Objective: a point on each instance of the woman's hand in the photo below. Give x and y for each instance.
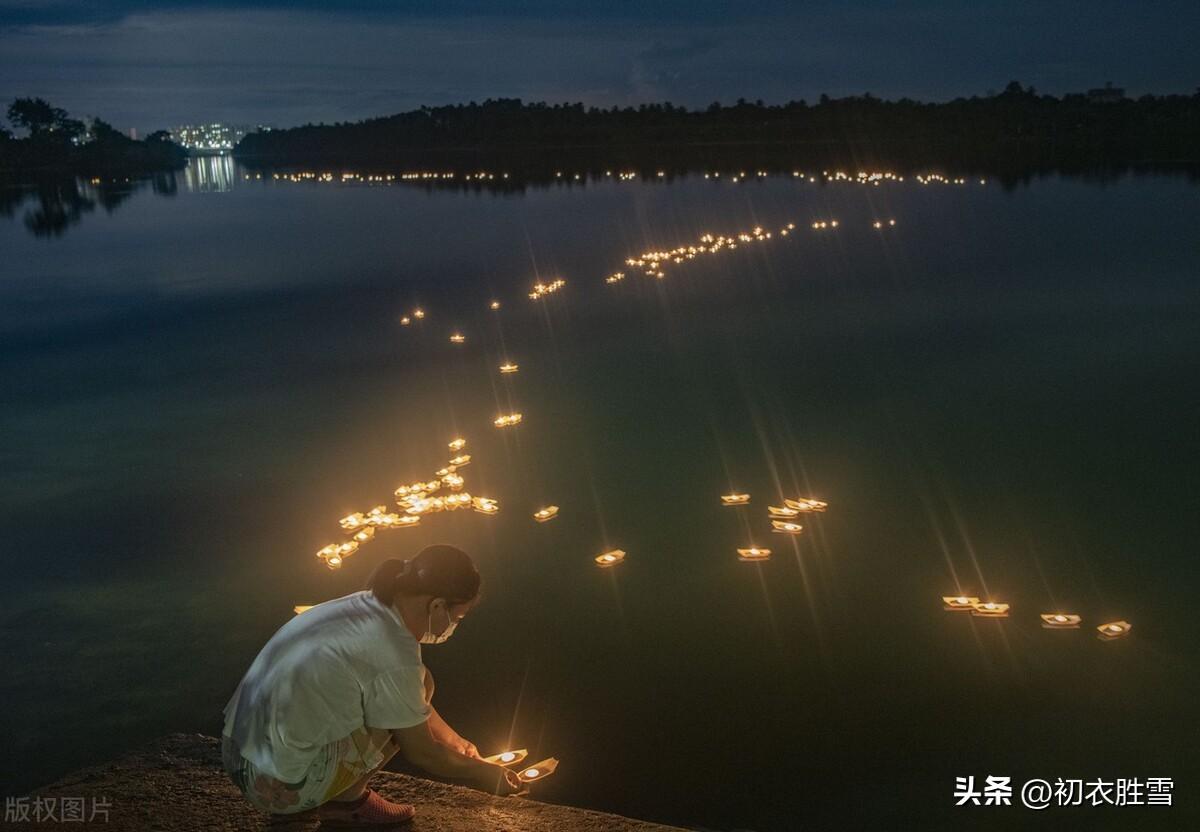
(500, 780)
(464, 747)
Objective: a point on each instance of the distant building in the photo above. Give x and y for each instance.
(1106, 94)
(211, 139)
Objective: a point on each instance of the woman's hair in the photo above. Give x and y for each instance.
(438, 570)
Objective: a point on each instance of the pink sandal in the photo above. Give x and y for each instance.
(370, 810)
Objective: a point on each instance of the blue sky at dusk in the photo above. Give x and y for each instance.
(157, 63)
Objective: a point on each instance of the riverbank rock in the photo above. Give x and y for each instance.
(176, 784)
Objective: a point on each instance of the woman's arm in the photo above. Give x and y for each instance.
(443, 733)
(421, 748)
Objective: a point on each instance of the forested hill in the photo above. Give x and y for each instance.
(1017, 121)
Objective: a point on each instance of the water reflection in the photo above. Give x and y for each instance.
(210, 174)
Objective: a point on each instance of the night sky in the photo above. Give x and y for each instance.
(158, 63)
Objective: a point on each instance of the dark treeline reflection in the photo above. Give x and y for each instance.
(52, 205)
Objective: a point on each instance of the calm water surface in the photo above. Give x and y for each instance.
(998, 395)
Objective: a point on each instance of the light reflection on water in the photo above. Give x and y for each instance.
(997, 397)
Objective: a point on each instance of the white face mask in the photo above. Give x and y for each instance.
(429, 637)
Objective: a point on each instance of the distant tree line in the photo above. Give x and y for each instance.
(56, 143)
(1017, 123)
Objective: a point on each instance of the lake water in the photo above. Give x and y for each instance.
(997, 395)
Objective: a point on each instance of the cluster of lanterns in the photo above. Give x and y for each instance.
(417, 314)
(780, 517)
(540, 290)
(415, 500)
(1108, 631)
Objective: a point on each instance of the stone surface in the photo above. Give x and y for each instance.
(176, 784)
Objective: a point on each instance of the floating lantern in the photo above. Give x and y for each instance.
(457, 444)
(735, 499)
(959, 603)
(453, 481)
(457, 501)
(508, 758)
(507, 421)
(782, 511)
(538, 771)
(786, 527)
(363, 535)
(299, 608)
(418, 314)
(753, 553)
(543, 515)
(484, 505)
(457, 338)
(1060, 621)
(352, 522)
(508, 367)
(405, 321)
(610, 558)
(495, 304)
(990, 609)
(461, 460)
(1114, 629)
(806, 504)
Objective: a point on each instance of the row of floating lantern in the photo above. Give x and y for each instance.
(652, 262)
(1050, 620)
(873, 178)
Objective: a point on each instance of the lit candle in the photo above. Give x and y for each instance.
(457, 338)
(461, 460)
(508, 758)
(753, 553)
(735, 499)
(785, 527)
(495, 304)
(959, 603)
(806, 504)
(508, 367)
(457, 444)
(610, 558)
(1114, 629)
(548, 513)
(1060, 621)
(538, 771)
(990, 609)
(485, 505)
(353, 521)
(782, 511)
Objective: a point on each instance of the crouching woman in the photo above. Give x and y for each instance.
(339, 689)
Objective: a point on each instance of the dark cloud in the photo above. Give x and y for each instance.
(151, 64)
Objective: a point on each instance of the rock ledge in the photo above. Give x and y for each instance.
(176, 784)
